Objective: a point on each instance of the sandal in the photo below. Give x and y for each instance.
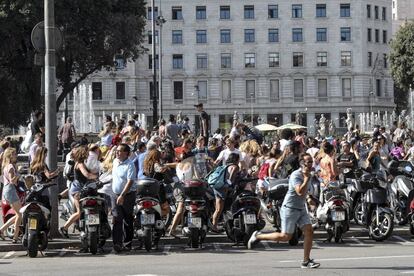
(2, 237)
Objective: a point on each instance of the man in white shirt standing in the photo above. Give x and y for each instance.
(224, 154)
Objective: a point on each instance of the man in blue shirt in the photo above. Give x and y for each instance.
(293, 212)
(124, 186)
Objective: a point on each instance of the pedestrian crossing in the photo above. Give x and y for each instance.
(218, 247)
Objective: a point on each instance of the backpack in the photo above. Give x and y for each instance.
(217, 178)
(69, 170)
(264, 171)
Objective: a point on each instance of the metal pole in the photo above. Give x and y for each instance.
(411, 106)
(50, 107)
(251, 102)
(154, 68)
(160, 65)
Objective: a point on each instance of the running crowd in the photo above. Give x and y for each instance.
(129, 153)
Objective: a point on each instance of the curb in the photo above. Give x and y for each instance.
(60, 244)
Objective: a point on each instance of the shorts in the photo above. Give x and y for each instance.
(292, 217)
(221, 193)
(178, 193)
(10, 193)
(75, 187)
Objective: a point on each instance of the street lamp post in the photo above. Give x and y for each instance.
(135, 106)
(160, 21)
(251, 106)
(154, 68)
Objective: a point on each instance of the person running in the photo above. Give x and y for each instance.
(293, 212)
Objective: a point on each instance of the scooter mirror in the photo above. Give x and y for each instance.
(408, 169)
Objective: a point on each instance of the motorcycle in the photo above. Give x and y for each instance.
(243, 217)
(196, 212)
(272, 203)
(148, 223)
(36, 219)
(93, 223)
(334, 211)
(375, 213)
(401, 192)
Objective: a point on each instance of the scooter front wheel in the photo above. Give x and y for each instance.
(382, 229)
(32, 244)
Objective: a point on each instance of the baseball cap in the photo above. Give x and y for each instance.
(199, 105)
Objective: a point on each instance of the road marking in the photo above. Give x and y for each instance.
(266, 245)
(408, 272)
(217, 246)
(62, 252)
(357, 241)
(167, 249)
(403, 241)
(9, 254)
(354, 258)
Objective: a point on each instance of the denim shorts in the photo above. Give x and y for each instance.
(292, 217)
(10, 193)
(75, 187)
(221, 193)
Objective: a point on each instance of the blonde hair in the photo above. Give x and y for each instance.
(38, 164)
(107, 164)
(7, 155)
(250, 147)
(107, 129)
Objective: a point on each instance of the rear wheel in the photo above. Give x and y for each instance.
(338, 234)
(147, 239)
(32, 244)
(382, 229)
(194, 238)
(10, 231)
(412, 228)
(93, 242)
(358, 212)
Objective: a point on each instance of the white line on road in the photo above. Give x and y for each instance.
(403, 241)
(357, 241)
(408, 272)
(355, 258)
(9, 254)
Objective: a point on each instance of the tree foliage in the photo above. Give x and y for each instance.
(402, 61)
(94, 33)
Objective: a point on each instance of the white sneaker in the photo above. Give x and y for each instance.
(253, 240)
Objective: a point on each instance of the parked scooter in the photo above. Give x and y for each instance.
(148, 223)
(196, 212)
(243, 217)
(401, 192)
(36, 219)
(93, 223)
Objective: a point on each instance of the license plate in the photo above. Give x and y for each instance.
(194, 222)
(93, 219)
(250, 218)
(338, 215)
(147, 219)
(32, 224)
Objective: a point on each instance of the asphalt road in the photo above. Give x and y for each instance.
(357, 256)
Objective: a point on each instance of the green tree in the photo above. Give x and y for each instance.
(402, 62)
(94, 33)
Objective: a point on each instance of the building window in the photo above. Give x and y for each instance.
(377, 35)
(225, 61)
(150, 37)
(177, 37)
(249, 12)
(274, 60)
(320, 10)
(250, 91)
(378, 86)
(273, 35)
(384, 37)
(298, 89)
(120, 90)
(96, 91)
(322, 88)
(297, 11)
(249, 60)
(202, 61)
(177, 61)
(178, 92)
(226, 91)
(274, 90)
(201, 36)
(273, 11)
(345, 34)
(151, 87)
(322, 59)
(249, 35)
(368, 11)
(385, 88)
(225, 36)
(157, 64)
(345, 58)
(385, 57)
(369, 34)
(297, 59)
(384, 13)
(369, 59)
(177, 13)
(225, 12)
(202, 91)
(376, 11)
(346, 88)
(321, 34)
(149, 13)
(201, 12)
(345, 10)
(297, 35)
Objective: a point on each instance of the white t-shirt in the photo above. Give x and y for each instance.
(312, 152)
(224, 155)
(283, 143)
